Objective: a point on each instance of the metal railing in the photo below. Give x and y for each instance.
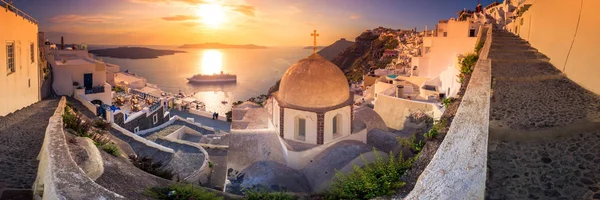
(95, 89)
(10, 7)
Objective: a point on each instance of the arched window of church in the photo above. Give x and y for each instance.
(300, 129)
(336, 123)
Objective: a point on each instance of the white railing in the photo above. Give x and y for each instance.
(10, 7)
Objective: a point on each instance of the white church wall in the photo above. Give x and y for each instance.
(289, 127)
(301, 159)
(328, 123)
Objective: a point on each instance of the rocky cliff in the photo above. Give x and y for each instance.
(333, 50)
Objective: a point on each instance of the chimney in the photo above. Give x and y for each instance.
(62, 43)
(400, 91)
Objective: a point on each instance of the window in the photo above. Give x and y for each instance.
(445, 34)
(336, 122)
(31, 52)
(155, 119)
(29, 82)
(10, 57)
(136, 129)
(300, 129)
(472, 33)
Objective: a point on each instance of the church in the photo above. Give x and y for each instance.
(305, 132)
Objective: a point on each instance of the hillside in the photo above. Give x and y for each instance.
(133, 52)
(331, 51)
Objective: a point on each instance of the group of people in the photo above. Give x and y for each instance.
(215, 115)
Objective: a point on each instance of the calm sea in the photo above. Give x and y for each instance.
(257, 70)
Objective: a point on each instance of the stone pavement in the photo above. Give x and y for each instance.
(220, 124)
(21, 137)
(544, 129)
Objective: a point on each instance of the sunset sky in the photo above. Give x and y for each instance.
(261, 22)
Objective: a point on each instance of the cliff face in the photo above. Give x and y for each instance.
(359, 49)
(331, 51)
(356, 59)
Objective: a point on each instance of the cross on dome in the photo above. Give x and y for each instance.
(315, 35)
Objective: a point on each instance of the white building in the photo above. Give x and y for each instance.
(19, 71)
(440, 55)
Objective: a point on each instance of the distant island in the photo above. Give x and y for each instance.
(133, 52)
(221, 46)
(310, 47)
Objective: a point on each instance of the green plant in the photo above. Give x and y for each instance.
(468, 63)
(72, 121)
(382, 177)
(211, 164)
(181, 192)
(411, 142)
(146, 164)
(447, 101)
(119, 89)
(433, 133)
(101, 124)
(112, 149)
(262, 193)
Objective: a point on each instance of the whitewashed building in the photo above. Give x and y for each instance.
(19, 70)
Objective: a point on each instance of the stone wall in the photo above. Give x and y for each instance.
(458, 169)
(58, 176)
(143, 122)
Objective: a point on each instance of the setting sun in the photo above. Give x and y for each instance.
(211, 14)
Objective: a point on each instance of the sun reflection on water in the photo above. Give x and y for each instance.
(212, 62)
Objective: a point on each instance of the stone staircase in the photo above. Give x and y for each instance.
(544, 140)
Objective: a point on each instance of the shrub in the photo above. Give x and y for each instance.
(148, 165)
(433, 133)
(211, 164)
(447, 101)
(74, 122)
(262, 193)
(411, 142)
(119, 89)
(467, 63)
(112, 149)
(181, 192)
(373, 180)
(101, 124)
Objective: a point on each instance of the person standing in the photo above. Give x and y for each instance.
(217, 116)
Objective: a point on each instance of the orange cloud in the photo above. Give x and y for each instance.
(83, 19)
(180, 18)
(192, 2)
(355, 16)
(244, 9)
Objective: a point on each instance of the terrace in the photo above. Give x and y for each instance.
(135, 101)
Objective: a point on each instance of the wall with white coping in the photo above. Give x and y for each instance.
(299, 159)
(567, 32)
(394, 110)
(458, 168)
(141, 139)
(58, 175)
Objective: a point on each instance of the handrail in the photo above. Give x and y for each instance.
(8, 6)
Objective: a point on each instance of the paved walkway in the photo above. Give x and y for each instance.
(206, 120)
(21, 137)
(544, 131)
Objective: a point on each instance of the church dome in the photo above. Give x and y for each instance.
(314, 82)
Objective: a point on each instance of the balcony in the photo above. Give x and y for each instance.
(9, 7)
(95, 89)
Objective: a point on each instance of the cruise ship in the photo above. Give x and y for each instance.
(201, 78)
